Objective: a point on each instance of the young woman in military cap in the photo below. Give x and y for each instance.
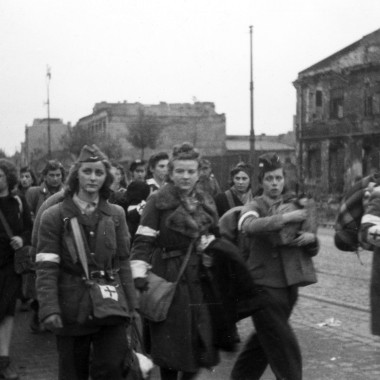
(60, 271)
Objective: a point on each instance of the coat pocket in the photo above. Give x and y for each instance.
(71, 294)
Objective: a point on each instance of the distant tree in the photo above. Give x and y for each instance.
(145, 132)
(111, 147)
(2, 153)
(77, 137)
(73, 141)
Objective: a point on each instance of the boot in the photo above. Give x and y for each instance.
(7, 371)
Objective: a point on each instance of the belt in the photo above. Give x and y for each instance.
(108, 274)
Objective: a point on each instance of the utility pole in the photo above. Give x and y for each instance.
(48, 77)
(252, 153)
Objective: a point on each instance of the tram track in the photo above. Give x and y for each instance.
(341, 275)
(330, 301)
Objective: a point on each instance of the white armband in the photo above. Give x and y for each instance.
(48, 257)
(255, 214)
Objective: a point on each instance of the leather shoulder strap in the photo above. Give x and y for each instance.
(78, 238)
(230, 198)
(185, 260)
(6, 225)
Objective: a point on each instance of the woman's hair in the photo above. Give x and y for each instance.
(10, 172)
(135, 164)
(72, 182)
(123, 181)
(27, 169)
(240, 167)
(52, 165)
(185, 151)
(153, 161)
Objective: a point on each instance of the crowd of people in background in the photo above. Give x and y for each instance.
(147, 217)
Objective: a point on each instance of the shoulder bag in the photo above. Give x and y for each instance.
(155, 302)
(107, 304)
(23, 257)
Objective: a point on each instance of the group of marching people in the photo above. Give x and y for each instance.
(248, 254)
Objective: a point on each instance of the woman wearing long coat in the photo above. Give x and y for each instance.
(173, 217)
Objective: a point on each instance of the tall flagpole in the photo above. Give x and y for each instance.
(252, 155)
(48, 77)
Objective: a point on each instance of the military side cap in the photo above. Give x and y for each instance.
(269, 162)
(91, 154)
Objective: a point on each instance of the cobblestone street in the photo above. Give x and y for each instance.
(344, 351)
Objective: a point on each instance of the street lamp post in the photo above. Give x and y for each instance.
(48, 77)
(252, 153)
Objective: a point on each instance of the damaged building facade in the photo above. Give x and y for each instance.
(337, 121)
(197, 123)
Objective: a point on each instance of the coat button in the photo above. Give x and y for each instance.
(92, 233)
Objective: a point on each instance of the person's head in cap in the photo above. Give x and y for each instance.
(138, 170)
(271, 175)
(240, 179)
(91, 175)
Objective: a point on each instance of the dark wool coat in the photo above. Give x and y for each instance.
(36, 195)
(274, 265)
(17, 214)
(60, 287)
(222, 203)
(184, 341)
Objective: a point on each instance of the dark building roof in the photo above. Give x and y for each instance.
(363, 52)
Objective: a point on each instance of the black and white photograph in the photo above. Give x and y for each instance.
(189, 190)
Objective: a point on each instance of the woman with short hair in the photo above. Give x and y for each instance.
(239, 192)
(27, 179)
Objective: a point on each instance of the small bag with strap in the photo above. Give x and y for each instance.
(108, 304)
(23, 257)
(155, 302)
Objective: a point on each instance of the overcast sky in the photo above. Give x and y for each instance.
(166, 50)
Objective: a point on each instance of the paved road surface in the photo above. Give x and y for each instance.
(343, 352)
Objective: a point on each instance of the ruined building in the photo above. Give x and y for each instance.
(337, 122)
(34, 150)
(197, 123)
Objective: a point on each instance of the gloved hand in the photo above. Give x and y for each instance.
(141, 284)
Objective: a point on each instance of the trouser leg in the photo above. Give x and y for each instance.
(73, 357)
(251, 362)
(274, 343)
(168, 374)
(110, 348)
